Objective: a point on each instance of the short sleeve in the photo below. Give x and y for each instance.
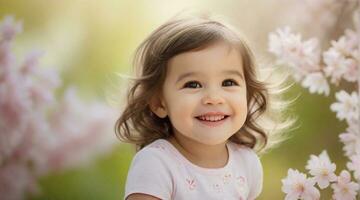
(149, 174)
(255, 174)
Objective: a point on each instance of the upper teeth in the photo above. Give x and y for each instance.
(212, 118)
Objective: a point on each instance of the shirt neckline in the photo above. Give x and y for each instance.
(196, 167)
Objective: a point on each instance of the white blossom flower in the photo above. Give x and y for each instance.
(277, 40)
(352, 67)
(351, 139)
(346, 43)
(347, 106)
(341, 60)
(322, 169)
(344, 188)
(316, 83)
(335, 65)
(297, 186)
(354, 165)
(301, 55)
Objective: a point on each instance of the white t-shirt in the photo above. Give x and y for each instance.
(160, 170)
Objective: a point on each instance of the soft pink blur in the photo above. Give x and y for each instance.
(38, 133)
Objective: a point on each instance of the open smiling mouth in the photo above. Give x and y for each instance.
(212, 120)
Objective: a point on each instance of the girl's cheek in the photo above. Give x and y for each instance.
(188, 96)
(236, 96)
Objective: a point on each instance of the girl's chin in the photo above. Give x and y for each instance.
(212, 141)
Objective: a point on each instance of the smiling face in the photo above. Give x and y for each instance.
(204, 94)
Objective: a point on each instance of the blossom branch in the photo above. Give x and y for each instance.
(38, 133)
(312, 68)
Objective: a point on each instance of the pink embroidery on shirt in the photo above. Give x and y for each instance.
(191, 184)
(240, 180)
(226, 178)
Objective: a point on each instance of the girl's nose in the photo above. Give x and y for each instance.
(212, 97)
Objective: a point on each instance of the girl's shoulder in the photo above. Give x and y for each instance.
(153, 152)
(150, 172)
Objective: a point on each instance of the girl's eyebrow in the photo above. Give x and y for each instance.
(230, 72)
(234, 72)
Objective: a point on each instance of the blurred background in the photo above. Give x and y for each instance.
(90, 41)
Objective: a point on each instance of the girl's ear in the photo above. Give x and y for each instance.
(158, 107)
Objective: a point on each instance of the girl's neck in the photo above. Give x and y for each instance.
(202, 155)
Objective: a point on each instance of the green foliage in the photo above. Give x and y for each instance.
(103, 179)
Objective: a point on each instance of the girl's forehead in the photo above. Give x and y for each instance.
(217, 57)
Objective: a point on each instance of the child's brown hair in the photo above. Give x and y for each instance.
(138, 125)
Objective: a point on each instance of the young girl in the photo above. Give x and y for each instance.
(194, 114)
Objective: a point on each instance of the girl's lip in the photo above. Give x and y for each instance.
(213, 123)
(213, 114)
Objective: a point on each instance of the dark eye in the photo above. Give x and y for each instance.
(192, 84)
(229, 82)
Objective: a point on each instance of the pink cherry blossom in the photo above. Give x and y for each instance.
(322, 169)
(344, 188)
(297, 186)
(347, 106)
(16, 180)
(14, 104)
(351, 139)
(340, 62)
(354, 165)
(38, 133)
(316, 83)
(301, 56)
(335, 65)
(6, 58)
(278, 40)
(352, 69)
(346, 43)
(93, 128)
